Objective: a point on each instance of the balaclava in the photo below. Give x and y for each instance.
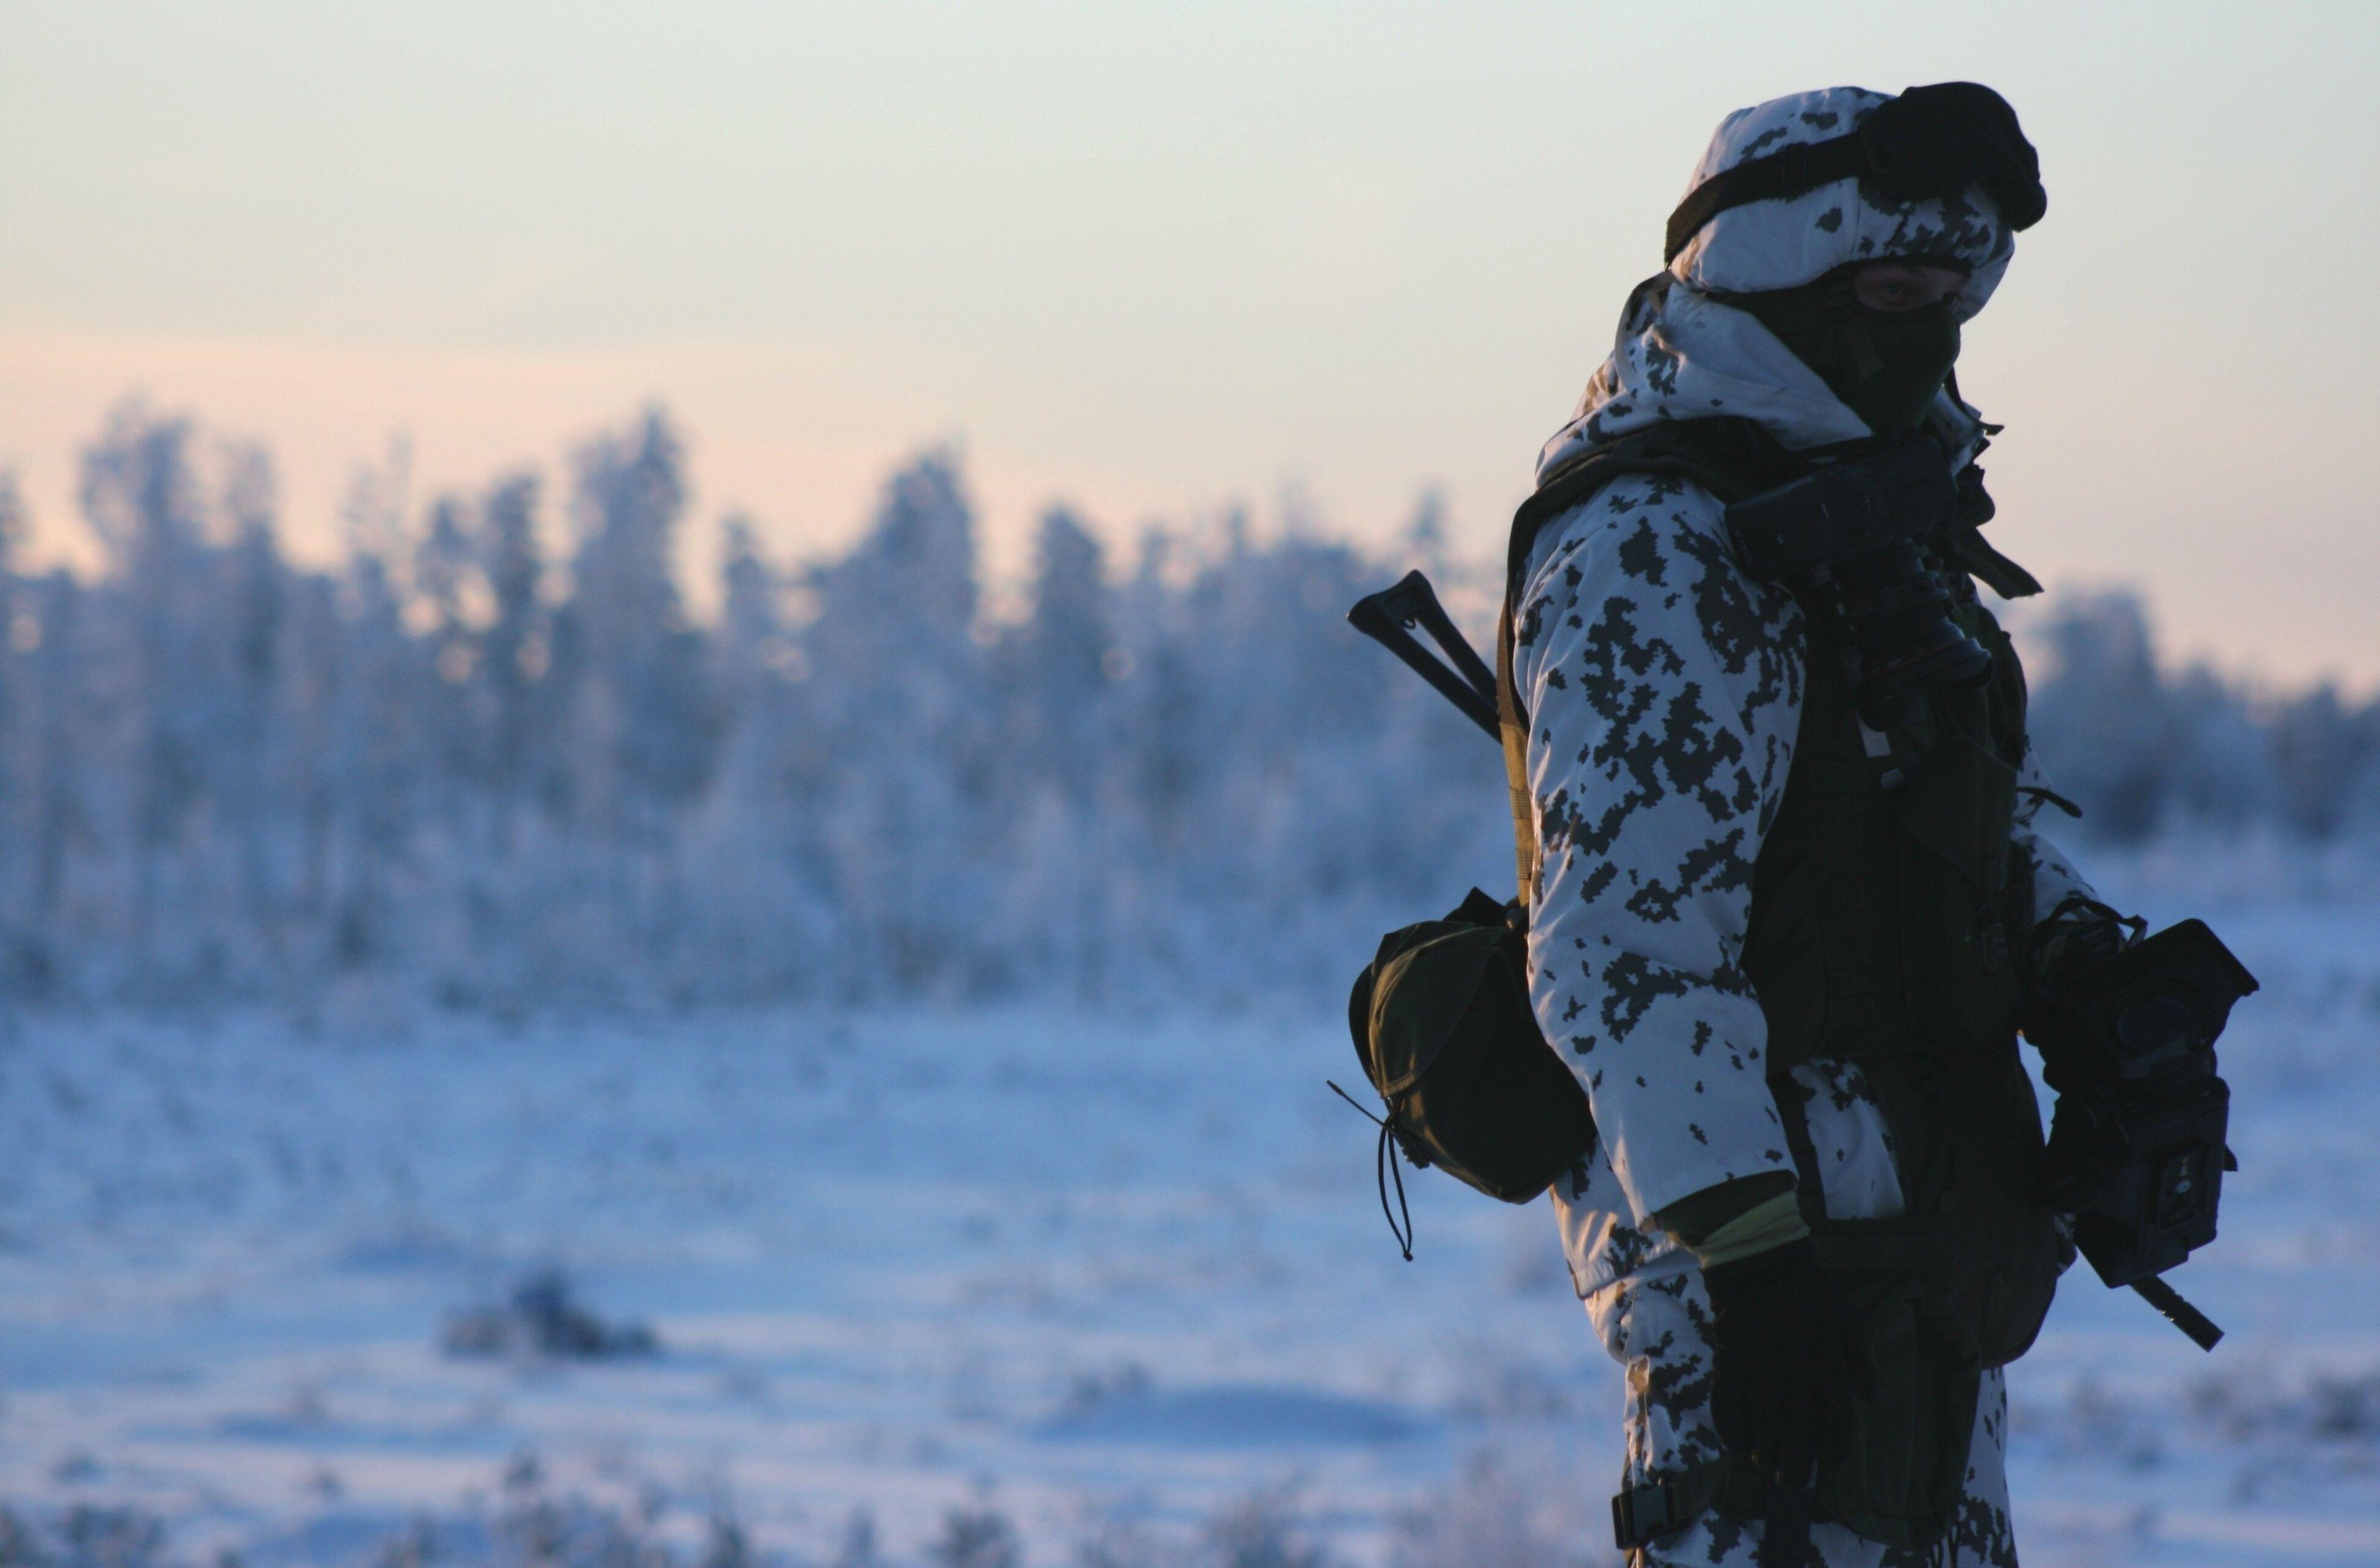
(1885, 365)
(1953, 147)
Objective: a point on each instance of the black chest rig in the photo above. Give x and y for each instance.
(1886, 906)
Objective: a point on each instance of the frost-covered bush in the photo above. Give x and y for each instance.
(1497, 1516)
(2147, 750)
(83, 1536)
(487, 763)
(543, 1318)
(975, 1538)
(1263, 1530)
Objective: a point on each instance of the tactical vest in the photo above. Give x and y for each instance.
(1886, 907)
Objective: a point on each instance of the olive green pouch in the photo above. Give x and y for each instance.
(1442, 1021)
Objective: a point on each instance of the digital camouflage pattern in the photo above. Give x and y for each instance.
(1766, 245)
(1664, 689)
(1682, 356)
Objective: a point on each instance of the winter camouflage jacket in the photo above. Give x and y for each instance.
(1665, 685)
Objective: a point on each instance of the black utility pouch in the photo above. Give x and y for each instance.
(1442, 1021)
(1914, 1384)
(1931, 1299)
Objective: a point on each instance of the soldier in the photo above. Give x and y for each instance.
(1779, 855)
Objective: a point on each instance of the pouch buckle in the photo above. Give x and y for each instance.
(1640, 1514)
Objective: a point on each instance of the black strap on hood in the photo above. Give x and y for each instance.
(1929, 142)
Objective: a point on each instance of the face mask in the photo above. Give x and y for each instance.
(1885, 366)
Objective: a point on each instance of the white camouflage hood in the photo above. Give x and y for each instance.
(1682, 355)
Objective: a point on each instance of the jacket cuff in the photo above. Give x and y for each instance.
(1763, 1226)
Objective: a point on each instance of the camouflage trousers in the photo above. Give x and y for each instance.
(1644, 1297)
(1655, 1326)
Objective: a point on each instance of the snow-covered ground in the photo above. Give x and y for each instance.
(1122, 1283)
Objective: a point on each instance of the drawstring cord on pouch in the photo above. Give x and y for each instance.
(1384, 1167)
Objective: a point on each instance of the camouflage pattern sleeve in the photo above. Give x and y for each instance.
(1663, 687)
(2053, 874)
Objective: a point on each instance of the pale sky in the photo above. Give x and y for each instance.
(1152, 257)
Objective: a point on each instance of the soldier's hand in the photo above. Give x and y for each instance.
(2087, 1147)
(1780, 1362)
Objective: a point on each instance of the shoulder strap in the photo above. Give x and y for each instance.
(1513, 727)
(1730, 457)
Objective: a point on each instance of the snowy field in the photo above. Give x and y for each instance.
(1112, 1291)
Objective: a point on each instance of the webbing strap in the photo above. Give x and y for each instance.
(1642, 1514)
(1513, 725)
(1793, 1113)
(1930, 140)
(1785, 1528)
(1787, 172)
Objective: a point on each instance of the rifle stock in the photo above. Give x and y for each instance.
(1462, 677)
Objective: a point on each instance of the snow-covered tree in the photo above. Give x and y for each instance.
(2103, 717)
(453, 766)
(642, 719)
(895, 677)
(515, 651)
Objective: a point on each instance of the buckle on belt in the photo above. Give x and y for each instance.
(1671, 1503)
(1639, 1513)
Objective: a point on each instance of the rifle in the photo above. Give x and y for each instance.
(1389, 618)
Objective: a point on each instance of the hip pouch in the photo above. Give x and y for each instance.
(1959, 1283)
(1915, 1378)
(1442, 1024)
